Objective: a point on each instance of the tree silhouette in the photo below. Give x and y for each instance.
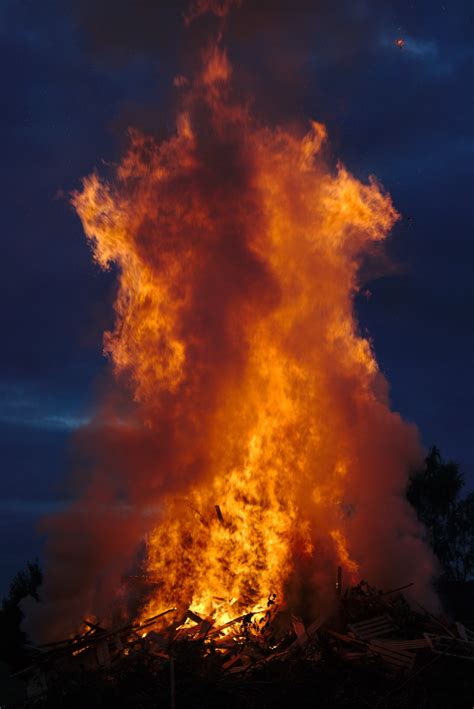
(12, 638)
(435, 492)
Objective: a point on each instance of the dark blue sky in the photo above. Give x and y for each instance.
(76, 74)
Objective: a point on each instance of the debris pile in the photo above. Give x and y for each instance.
(369, 638)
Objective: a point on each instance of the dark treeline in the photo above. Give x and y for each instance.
(448, 517)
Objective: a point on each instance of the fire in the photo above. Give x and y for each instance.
(237, 249)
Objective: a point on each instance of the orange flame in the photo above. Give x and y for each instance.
(237, 251)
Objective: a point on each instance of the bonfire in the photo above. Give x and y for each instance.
(248, 471)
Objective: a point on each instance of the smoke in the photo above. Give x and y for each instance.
(241, 378)
(278, 47)
(219, 8)
(122, 29)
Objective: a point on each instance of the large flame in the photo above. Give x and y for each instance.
(237, 251)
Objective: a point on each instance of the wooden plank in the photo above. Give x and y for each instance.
(193, 616)
(229, 623)
(89, 640)
(465, 633)
(225, 642)
(351, 656)
(233, 660)
(375, 627)
(316, 624)
(123, 629)
(447, 645)
(379, 643)
(199, 629)
(351, 640)
(390, 651)
(205, 627)
(436, 620)
(417, 644)
(236, 670)
(399, 658)
(103, 654)
(300, 630)
(93, 626)
(376, 632)
(371, 621)
(396, 590)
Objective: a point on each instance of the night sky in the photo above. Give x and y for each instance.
(77, 74)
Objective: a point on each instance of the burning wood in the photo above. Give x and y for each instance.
(396, 641)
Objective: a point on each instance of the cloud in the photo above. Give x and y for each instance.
(425, 49)
(46, 421)
(29, 409)
(33, 507)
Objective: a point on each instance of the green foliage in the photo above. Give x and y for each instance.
(435, 492)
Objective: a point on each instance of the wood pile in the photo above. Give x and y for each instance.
(369, 632)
